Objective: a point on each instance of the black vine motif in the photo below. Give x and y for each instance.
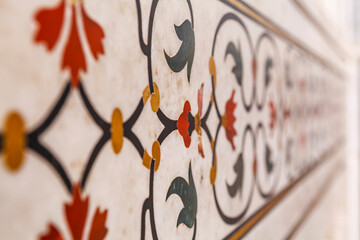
(146, 48)
(185, 33)
(38, 147)
(105, 127)
(184, 56)
(179, 186)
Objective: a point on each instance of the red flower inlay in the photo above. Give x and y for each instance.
(52, 234)
(254, 68)
(50, 25)
(302, 139)
(272, 115)
(228, 120)
(50, 21)
(74, 57)
(183, 124)
(98, 229)
(76, 213)
(286, 113)
(198, 119)
(302, 84)
(94, 34)
(200, 98)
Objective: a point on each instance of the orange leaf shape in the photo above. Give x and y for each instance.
(183, 124)
(50, 23)
(94, 34)
(76, 213)
(198, 128)
(73, 57)
(228, 120)
(200, 99)
(52, 234)
(98, 229)
(254, 68)
(200, 148)
(272, 115)
(286, 113)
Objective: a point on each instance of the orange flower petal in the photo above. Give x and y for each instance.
(272, 115)
(200, 148)
(228, 120)
(94, 34)
(183, 124)
(76, 213)
(50, 23)
(73, 57)
(52, 234)
(98, 229)
(200, 98)
(254, 68)
(286, 113)
(198, 128)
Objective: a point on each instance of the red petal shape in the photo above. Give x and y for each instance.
(200, 98)
(228, 119)
(50, 23)
(52, 234)
(76, 213)
(94, 34)
(73, 57)
(302, 138)
(198, 128)
(183, 124)
(272, 115)
(98, 229)
(254, 68)
(286, 113)
(200, 148)
(302, 84)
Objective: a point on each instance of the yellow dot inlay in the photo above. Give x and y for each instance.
(198, 124)
(213, 171)
(117, 130)
(212, 69)
(156, 154)
(76, 1)
(146, 94)
(14, 141)
(155, 99)
(146, 160)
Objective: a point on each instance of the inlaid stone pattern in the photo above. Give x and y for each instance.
(156, 119)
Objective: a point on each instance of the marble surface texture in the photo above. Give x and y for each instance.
(175, 119)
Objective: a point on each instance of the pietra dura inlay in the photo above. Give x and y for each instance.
(157, 119)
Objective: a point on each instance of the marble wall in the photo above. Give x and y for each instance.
(175, 119)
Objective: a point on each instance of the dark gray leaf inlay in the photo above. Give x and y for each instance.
(236, 54)
(187, 194)
(186, 51)
(238, 183)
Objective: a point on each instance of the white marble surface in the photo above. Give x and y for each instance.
(32, 81)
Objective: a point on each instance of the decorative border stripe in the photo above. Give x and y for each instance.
(246, 226)
(323, 190)
(320, 27)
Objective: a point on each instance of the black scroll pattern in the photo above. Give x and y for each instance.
(184, 57)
